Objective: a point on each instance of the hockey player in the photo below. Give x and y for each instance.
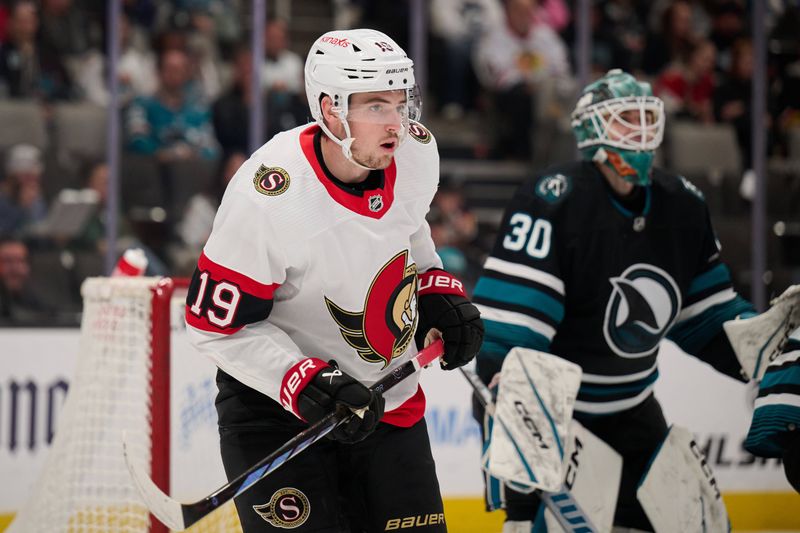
(597, 261)
(320, 251)
(775, 429)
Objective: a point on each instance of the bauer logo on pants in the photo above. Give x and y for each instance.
(288, 508)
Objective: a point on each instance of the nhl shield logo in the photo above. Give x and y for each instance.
(288, 508)
(385, 327)
(375, 203)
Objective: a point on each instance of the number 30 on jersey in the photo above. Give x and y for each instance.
(532, 235)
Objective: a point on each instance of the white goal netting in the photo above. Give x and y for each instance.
(84, 485)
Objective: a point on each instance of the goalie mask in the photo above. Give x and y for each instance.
(341, 63)
(619, 123)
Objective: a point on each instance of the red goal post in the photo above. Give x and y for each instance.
(121, 383)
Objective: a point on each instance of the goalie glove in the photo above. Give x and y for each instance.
(443, 305)
(312, 388)
(758, 340)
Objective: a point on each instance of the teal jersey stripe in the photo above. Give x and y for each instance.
(769, 423)
(784, 376)
(715, 276)
(500, 337)
(694, 334)
(611, 390)
(512, 293)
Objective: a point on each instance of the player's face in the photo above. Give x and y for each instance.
(630, 125)
(376, 122)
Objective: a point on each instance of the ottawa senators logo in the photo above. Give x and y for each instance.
(288, 508)
(418, 132)
(271, 181)
(386, 325)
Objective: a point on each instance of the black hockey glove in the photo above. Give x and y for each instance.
(312, 389)
(443, 305)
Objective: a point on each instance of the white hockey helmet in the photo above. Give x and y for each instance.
(344, 62)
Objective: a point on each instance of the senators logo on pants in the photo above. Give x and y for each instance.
(386, 325)
(288, 508)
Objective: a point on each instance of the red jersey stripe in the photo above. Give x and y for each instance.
(248, 285)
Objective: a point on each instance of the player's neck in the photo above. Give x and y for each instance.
(618, 184)
(343, 169)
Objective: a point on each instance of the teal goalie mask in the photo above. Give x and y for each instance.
(619, 123)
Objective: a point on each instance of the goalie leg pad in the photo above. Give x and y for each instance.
(678, 492)
(532, 414)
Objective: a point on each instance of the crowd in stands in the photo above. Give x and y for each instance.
(506, 67)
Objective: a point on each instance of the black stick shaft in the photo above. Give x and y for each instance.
(193, 512)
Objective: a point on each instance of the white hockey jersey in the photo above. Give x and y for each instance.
(298, 267)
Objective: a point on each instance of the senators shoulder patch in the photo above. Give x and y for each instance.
(419, 132)
(553, 188)
(271, 181)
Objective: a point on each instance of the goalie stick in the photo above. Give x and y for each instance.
(562, 504)
(179, 516)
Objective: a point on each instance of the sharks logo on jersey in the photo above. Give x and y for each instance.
(386, 325)
(644, 304)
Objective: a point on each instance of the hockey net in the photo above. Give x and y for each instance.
(121, 383)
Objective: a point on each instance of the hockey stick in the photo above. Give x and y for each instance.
(562, 504)
(179, 516)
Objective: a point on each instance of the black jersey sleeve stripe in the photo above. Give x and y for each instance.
(221, 300)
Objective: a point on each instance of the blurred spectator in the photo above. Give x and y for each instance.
(93, 236)
(66, 28)
(230, 112)
(27, 69)
(454, 229)
(727, 26)
(171, 124)
(553, 13)
(282, 76)
(218, 19)
(458, 24)
(687, 87)
(141, 13)
(460, 224)
(619, 36)
(513, 61)
(675, 39)
(21, 199)
(195, 226)
(283, 69)
(700, 17)
(19, 304)
(136, 68)
(4, 14)
(784, 47)
(732, 99)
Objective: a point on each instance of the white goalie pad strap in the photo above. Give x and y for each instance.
(758, 340)
(532, 414)
(678, 492)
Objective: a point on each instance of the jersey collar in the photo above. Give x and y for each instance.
(373, 203)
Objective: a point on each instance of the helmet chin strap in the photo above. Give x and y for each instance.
(345, 143)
